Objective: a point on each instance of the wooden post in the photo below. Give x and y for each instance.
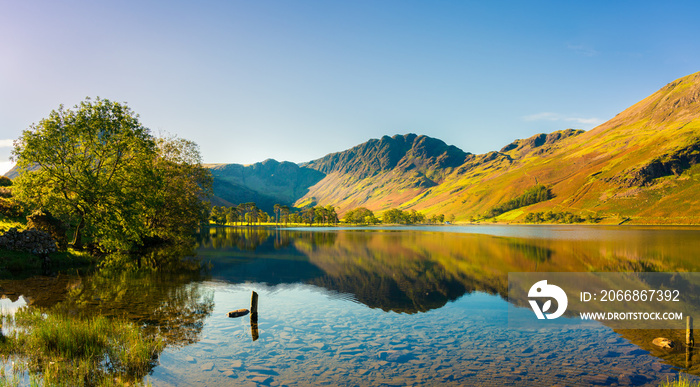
(689, 341)
(254, 303)
(254, 326)
(254, 315)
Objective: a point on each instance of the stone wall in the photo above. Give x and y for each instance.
(32, 241)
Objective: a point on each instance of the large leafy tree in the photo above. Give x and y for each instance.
(101, 170)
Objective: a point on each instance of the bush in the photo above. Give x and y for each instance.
(5, 181)
(10, 208)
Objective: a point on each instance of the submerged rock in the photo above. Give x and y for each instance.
(663, 342)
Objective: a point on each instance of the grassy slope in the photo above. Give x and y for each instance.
(588, 173)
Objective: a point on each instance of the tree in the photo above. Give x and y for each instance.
(285, 210)
(103, 172)
(231, 215)
(332, 214)
(216, 215)
(176, 200)
(276, 213)
(360, 215)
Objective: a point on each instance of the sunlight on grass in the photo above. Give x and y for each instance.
(61, 350)
(680, 382)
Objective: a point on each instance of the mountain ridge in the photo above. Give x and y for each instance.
(641, 165)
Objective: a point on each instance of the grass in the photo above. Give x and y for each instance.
(62, 350)
(15, 264)
(22, 264)
(680, 382)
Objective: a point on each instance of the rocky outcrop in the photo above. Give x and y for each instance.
(405, 152)
(540, 143)
(31, 241)
(673, 163)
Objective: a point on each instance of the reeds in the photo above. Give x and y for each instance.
(65, 350)
(680, 382)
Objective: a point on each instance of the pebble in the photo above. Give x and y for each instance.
(441, 347)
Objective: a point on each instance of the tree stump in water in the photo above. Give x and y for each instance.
(238, 313)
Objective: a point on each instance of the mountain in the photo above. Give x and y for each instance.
(642, 164)
(383, 173)
(267, 183)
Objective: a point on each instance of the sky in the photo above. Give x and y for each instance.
(295, 80)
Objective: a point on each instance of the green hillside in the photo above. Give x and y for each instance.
(642, 165)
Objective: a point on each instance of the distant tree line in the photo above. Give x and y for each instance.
(396, 216)
(250, 214)
(360, 215)
(244, 213)
(559, 217)
(536, 194)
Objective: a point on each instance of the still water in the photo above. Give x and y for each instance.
(382, 306)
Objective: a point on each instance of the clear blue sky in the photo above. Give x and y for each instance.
(295, 80)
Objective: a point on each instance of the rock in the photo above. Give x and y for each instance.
(262, 370)
(663, 342)
(43, 221)
(395, 356)
(262, 379)
(207, 366)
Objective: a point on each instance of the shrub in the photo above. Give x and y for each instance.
(10, 208)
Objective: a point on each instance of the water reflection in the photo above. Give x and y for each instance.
(171, 304)
(406, 271)
(415, 272)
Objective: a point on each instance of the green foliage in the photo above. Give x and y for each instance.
(320, 215)
(396, 216)
(536, 194)
(175, 205)
(244, 212)
(103, 173)
(18, 263)
(10, 208)
(553, 217)
(360, 215)
(5, 181)
(67, 350)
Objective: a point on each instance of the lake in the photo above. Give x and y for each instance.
(381, 306)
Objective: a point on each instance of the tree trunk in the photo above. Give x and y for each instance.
(78, 237)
